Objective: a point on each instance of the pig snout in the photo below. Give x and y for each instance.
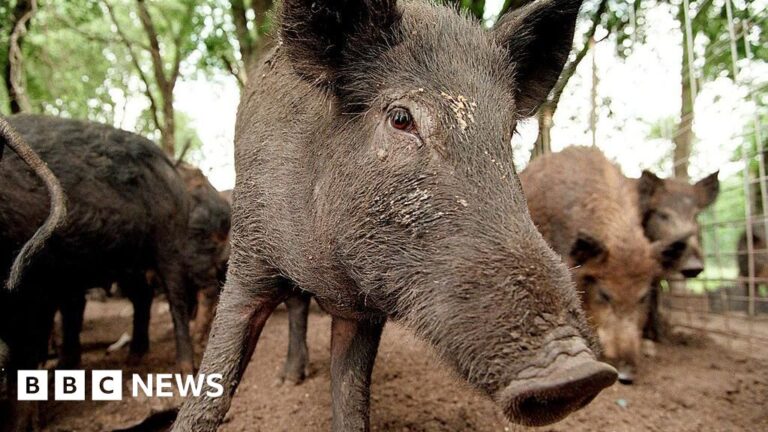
(692, 266)
(540, 396)
(626, 373)
(621, 347)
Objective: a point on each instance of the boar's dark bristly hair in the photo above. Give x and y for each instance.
(318, 33)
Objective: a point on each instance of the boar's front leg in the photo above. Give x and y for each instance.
(654, 328)
(207, 298)
(353, 351)
(179, 305)
(297, 359)
(72, 309)
(141, 293)
(242, 312)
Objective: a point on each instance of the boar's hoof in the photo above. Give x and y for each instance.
(134, 359)
(290, 379)
(68, 361)
(545, 399)
(186, 367)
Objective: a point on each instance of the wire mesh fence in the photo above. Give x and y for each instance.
(729, 300)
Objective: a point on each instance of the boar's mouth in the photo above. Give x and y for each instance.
(567, 384)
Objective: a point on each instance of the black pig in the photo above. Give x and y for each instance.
(204, 258)
(128, 213)
(58, 207)
(207, 251)
(55, 219)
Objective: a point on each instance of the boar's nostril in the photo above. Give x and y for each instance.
(626, 375)
(691, 272)
(551, 398)
(692, 266)
(626, 379)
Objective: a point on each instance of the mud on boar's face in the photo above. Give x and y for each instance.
(670, 207)
(615, 283)
(416, 190)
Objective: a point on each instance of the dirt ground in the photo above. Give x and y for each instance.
(695, 385)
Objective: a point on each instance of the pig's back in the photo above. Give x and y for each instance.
(121, 190)
(579, 189)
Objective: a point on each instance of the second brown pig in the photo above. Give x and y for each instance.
(587, 211)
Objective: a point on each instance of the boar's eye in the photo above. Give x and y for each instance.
(644, 298)
(664, 216)
(603, 296)
(401, 119)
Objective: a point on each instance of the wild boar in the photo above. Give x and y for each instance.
(669, 209)
(204, 259)
(56, 217)
(207, 249)
(374, 172)
(128, 213)
(58, 208)
(587, 211)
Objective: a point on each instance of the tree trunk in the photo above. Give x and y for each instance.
(593, 95)
(13, 73)
(253, 43)
(244, 38)
(168, 128)
(548, 108)
(543, 143)
(683, 139)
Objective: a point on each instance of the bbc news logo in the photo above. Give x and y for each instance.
(107, 385)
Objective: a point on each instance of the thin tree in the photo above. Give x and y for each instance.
(242, 41)
(683, 139)
(13, 73)
(160, 84)
(547, 109)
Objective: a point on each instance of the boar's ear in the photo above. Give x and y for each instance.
(647, 186)
(537, 38)
(587, 248)
(707, 190)
(668, 253)
(649, 183)
(317, 33)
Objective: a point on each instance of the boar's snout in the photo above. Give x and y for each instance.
(566, 385)
(692, 266)
(626, 374)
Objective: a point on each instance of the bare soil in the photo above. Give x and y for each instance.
(691, 385)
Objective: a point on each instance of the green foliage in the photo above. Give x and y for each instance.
(711, 26)
(664, 128)
(186, 135)
(62, 77)
(476, 7)
(626, 22)
(221, 47)
(76, 65)
(65, 76)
